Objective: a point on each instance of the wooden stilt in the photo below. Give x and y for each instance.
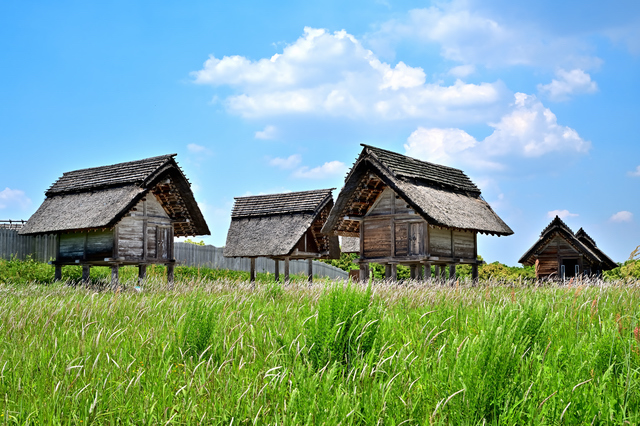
(412, 272)
(452, 273)
(310, 270)
(115, 275)
(252, 273)
(286, 270)
(364, 271)
(142, 274)
(443, 273)
(474, 273)
(57, 274)
(437, 272)
(427, 271)
(387, 271)
(170, 275)
(276, 270)
(86, 270)
(394, 272)
(420, 274)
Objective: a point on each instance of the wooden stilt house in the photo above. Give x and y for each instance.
(282, 227)
(123, 214)
(411, 212)
(560, 254)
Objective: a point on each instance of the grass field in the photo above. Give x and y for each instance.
(216, 351)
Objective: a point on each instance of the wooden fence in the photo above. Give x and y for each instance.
(212, 257)
(41, 247)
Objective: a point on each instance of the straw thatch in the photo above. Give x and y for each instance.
(273, 225)
(580, 241)
(350, 245)
(442, 195)
(99, 197)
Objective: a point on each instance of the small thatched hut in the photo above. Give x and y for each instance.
(407, 211)
(282, 227)
(559, 253)
(123, 214)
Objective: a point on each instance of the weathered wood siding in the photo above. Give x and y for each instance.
(440, 242)
(93, 245)
(551, 256)
(383, 204)
(147, 224)
(377, 237)
(464, 244)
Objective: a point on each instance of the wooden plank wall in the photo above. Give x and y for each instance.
(212, 257)
(40, 247)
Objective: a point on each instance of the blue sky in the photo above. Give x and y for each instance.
(537, 102)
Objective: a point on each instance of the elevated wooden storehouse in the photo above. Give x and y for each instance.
(282, 227)
(123, 214)
(407, 211)
(559, 253)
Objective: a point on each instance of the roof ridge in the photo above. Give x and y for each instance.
(244, 197)
(120, 164)
(412, 158)
(556, 222)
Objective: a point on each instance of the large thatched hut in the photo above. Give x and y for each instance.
(407, 211)
(123, 214)
(282, 227)
(560, 254)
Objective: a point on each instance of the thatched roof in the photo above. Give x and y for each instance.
(580, 241)
(442, 195)
(272, 225)
(350, 244)
(99, 197)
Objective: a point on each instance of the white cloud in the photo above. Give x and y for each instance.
(328, 169)
(197, 149)
(462, 71)
(14, 198)
(635, 173)
(529, 130)
(568, 83)
(334, 75)
(290, 162)
(471, 37)
(623, 216)
(269, 132)
(532, 130)
(562, 214)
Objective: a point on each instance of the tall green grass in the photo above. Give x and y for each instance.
(439, 355)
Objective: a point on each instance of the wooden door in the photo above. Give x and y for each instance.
(163, 247)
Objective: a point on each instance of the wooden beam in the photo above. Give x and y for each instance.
(452, 273)
(474, 273)
(57, 274)
(310, 270)
(276, 270)
(115, 275)
(286, 270)
(170, 275)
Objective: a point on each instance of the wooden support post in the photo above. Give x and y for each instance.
(437, 272)
(57, 274)
(86, 270)
(387, 271)
(310, 270)
(474, 273)
(443, 273)
(419, 273)
(452, 273)
(276, 270)
(427, 271)
(115, 275)
(394, 272)
(252, 273)
(170, 275)
(142, 274)
(364, 271)
(412, 272)
(286, 270)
